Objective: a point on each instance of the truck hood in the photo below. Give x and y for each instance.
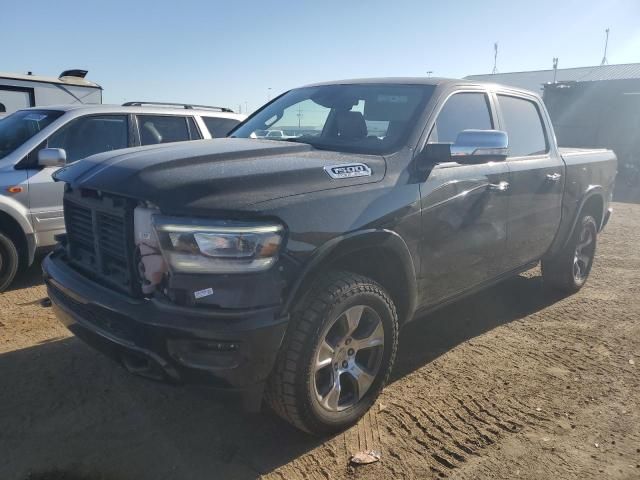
(205, 176)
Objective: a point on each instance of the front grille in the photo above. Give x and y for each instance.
(100, 238)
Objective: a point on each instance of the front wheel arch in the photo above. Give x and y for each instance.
(381, 255)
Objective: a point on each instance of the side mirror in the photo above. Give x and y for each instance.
(52, 157)
(480, 146)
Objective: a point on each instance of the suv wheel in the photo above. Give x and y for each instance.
(336, 356)
(568, 271)
(9, 261)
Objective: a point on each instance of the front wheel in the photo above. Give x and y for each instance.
(9, 261)
(337, 354)
(568, 271)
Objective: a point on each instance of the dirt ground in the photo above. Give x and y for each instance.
(510, 383)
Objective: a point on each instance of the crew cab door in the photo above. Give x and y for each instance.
(536, 179)
(464, 207)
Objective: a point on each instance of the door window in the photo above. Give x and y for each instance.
(219, 127)
(462, 111)
(155, 129)
(19, 127)
(87, 136)
(524, 126)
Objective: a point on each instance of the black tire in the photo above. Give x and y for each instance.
(559, 272)
(9, 261)
(290, 389)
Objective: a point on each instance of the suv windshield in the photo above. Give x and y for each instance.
(372, 119)
(20, 126)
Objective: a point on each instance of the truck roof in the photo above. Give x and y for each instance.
(67, 80)
(435, 81)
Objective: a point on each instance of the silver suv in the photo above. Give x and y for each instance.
(35, 142)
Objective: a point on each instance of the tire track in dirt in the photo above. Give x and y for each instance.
(509, 383)
(518, 387)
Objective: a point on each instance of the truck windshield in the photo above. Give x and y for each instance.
(358, 118)
(20, 126)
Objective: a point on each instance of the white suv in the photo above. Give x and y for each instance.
(37, 141)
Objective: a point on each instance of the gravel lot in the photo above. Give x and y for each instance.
(510, 383)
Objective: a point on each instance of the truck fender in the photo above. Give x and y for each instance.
(592, 191)
(351, 243)
(19, 213)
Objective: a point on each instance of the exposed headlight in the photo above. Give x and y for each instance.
(196, 246)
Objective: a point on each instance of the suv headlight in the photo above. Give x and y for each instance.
(197, 246)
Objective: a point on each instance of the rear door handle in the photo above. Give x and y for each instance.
(499, 187)
(553, 177)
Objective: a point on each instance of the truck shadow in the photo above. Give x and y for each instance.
(68, 409)
(429, 336)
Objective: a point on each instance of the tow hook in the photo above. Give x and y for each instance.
(45, 302)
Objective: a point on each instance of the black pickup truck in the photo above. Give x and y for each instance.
(286, 267)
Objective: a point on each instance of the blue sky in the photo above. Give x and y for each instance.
(231, 52)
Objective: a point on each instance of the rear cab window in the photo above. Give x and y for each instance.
(156, 129)
(524, 126)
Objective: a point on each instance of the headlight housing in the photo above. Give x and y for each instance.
(201, 246)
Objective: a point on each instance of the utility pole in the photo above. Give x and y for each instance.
(268, 93)
(495, 59)
(300, 115)
(429, 72)
(239, 108)
(555, 68)
(606, 45)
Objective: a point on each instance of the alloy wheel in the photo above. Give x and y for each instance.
(583, 255)
(348, 358)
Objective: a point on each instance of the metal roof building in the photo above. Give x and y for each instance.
(536, 79)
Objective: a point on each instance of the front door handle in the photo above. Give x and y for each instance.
(499, 187)
(553, 177)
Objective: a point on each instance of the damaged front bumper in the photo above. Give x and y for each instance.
(233, 349)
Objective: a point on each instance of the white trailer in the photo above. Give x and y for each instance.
(19, 91)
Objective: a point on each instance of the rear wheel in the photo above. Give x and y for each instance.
(568, 271)
(337, 354)
(9, 261)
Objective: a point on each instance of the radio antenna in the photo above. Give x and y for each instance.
(495, 59)
(606, 45)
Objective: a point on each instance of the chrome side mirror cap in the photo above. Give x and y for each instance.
(52, 157)
(479, 146)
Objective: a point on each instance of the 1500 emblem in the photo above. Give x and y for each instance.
(349, 170)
